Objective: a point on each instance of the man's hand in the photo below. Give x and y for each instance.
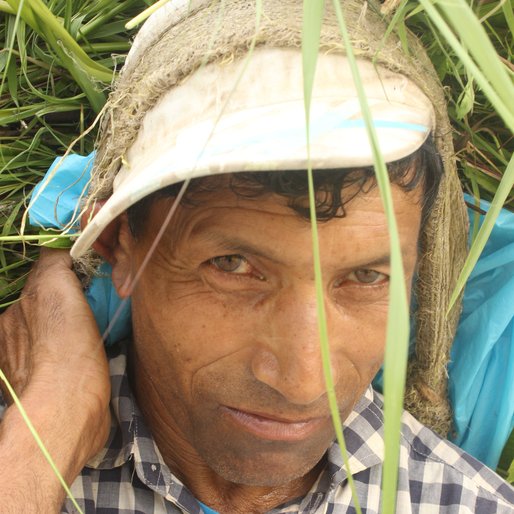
(53, 356)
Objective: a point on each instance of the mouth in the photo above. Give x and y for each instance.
(273, 428)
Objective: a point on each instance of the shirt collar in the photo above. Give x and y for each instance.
(364, 439)
(130, 438)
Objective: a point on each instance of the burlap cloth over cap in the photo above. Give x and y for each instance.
(225, 29)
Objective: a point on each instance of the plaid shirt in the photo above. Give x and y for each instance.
(129, 475)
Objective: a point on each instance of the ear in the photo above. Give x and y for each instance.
(115, 245)
(105, 243)
(122, 261)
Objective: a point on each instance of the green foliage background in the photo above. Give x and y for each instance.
(53, 83)
(484, 145)
(43, 107)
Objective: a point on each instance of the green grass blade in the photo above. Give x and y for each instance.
(501, 195)
(46, 23)
(397, 341)
(508, 12)
(84, 70)
(397, 20)
(99, 21)
(6, 8)
(23, 165)
(67, 14)
(140, 18)
(500, 93)
(40, 239)
(312, 21)
(313, 11)
(506, 464)
(10, 47)
(473, 36)
(492, 78)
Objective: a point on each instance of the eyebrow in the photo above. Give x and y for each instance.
(238, 246)
(382, 260)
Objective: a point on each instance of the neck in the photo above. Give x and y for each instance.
(186, 464)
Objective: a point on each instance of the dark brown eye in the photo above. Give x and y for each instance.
(231, 264)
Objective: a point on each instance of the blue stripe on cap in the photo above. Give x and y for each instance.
(319, 127)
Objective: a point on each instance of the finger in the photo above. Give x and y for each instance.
(48, 258)
(53, 295)
(55, 268)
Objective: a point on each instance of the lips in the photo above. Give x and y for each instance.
(273, 428)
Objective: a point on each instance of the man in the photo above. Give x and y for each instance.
(218, 400)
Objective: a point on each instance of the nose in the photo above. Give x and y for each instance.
(288, 358)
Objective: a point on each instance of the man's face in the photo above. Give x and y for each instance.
(226, 328)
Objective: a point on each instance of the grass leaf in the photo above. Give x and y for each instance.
(84, 70)
(489, 74)
(397, 341)
(313, 11)
(38, 440)
(480, 241)
(467, 26)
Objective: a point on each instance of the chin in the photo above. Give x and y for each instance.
(262, 465)
(260, 474)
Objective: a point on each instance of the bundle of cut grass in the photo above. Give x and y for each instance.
(483, 142)
(57, 64)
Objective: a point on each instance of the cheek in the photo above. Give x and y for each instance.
(190, 327)
(362, 333)
(358, 344)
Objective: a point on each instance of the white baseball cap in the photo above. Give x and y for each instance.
(249, 115)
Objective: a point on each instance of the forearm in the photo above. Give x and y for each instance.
(52, 354)
(27, 481)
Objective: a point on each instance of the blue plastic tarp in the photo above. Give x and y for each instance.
(54, 203)
(481, 371)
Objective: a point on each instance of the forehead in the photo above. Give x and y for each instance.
(333, 190)
(227, 219)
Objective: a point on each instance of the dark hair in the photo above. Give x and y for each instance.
(332, 186)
